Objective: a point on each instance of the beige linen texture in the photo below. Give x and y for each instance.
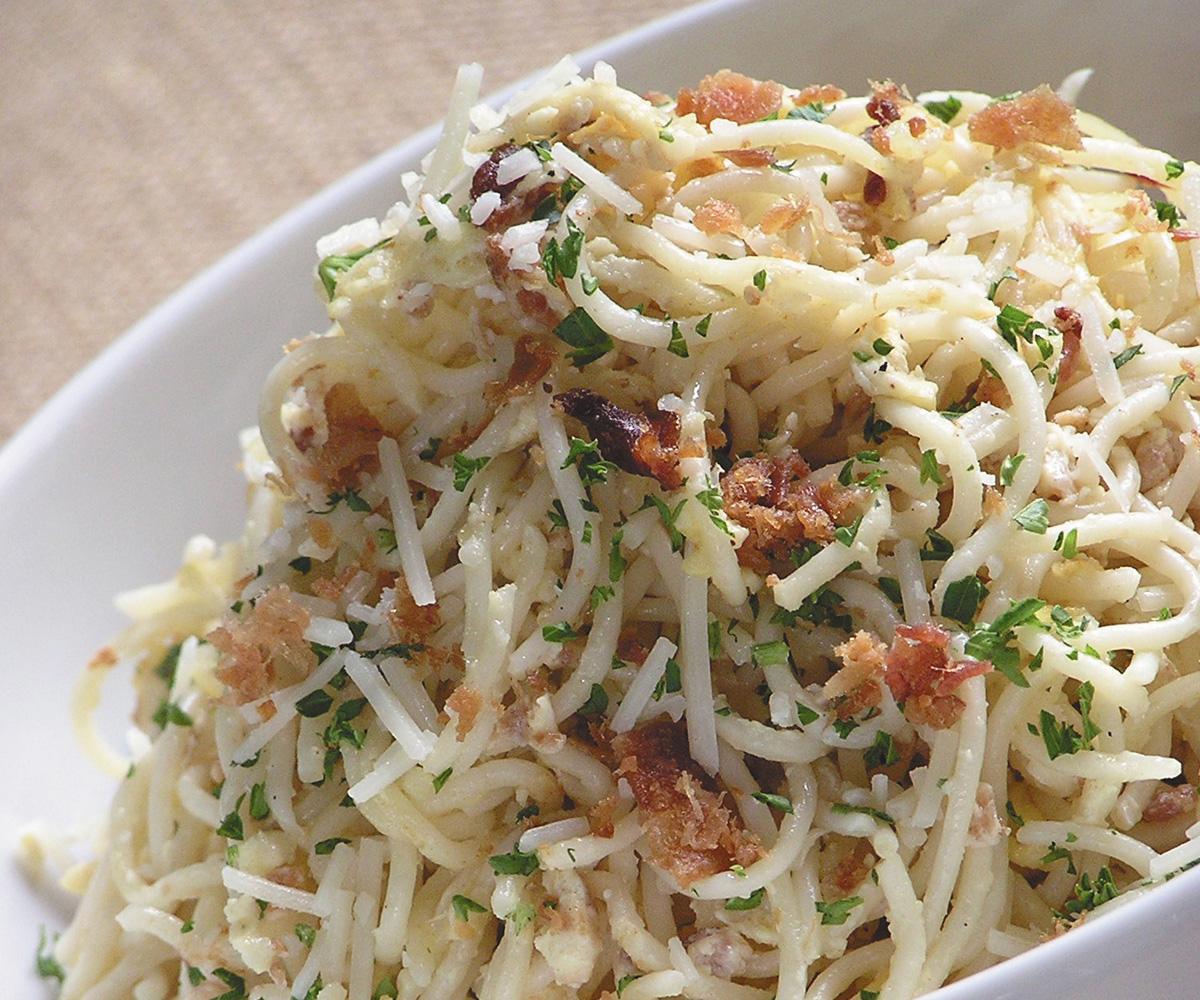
(140, 140)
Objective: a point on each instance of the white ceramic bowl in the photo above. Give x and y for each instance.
(99, 492)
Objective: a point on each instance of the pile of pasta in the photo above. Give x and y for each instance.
(732, 545)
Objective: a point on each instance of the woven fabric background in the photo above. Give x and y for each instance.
(142, 139)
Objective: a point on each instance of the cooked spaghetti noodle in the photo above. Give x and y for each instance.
(733, 546)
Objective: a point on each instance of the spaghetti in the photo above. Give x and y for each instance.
(732, 546)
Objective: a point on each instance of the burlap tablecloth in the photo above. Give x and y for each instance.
(142, 139)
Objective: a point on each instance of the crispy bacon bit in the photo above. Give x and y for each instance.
(515, 205)
(466, 701)
(266, 643)
(820, 93)
(645, 445)
(750, 157)
(1070, 324)
(631, 649)
(717, 216)
(777, 502)
(782, 216)
(874, 189)
(531, 361)
(731, 96)
(916, 127)
(602, 815)
(885, 103)
(350, 448)
(689, 832)
(1035, 116)
(850, 870)
(411, 623)
(1168, 802)
(857, 685)
(922, 677)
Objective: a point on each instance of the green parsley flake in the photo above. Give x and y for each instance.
(439, 780)
(1034, 517)
(331, 267)
(882, 753)
(327, 846)
(315, 704)
(588, 340)
(597, 702)
(464, 906)
(779, 802)
(751, 902)
(522, 916)
(837, 912)
(962, 599)
(307, 934)
(770, 654)
(945, 110)
(677, 345)
(930, 472)
(515, 862)
(48, 967)
(561, 632)
(465, 469)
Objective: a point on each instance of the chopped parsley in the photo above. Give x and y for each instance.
(1168, 213)
(882, 753)
(1034, 517)
(586, 456)
(465, 469)
(779, 802)
(806, 715)
(930, 471)
(327, 846)
(350, 498)
(1067, 544)
(837, 911)
(236, 984)
(1008, 469)
(259, 808)
(170, 714)
(515, 862)
(464, 906)
(677, 345)
(522, 916)
(560, 632)
(669, 516)
(945, 110)
(751, 902)
(307, 934)
(848, 532)
(770, 654)
(315, 704)
(760, 279)
(231, 825)
(1090, 893)
(48, 967)
(1127, 355)
(329, 269)
(962, 599)
(439, 780)
(583, 334)
(996, 642)
(597, 702)
(1173, 169)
